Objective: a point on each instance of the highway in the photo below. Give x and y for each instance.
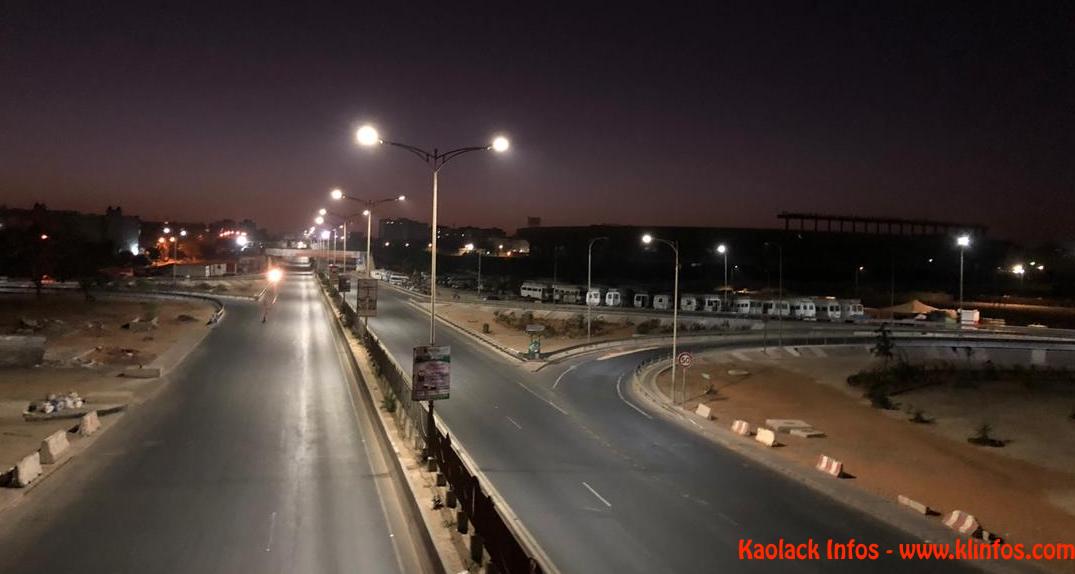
(251, 459)
(605, 486)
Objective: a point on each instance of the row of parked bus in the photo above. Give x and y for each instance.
(812, 308)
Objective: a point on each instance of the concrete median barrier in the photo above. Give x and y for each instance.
(704, 411)
(88, 424)
(27, 470)
(766, 436)
(830, 466)
(962, 523)
(741, 428)
(913, 504)
(53, 447)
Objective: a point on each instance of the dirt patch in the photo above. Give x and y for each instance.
(1026, 495)
(86, 347)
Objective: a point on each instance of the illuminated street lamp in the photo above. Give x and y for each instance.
(367, 136)
(723, 250)
(470, 247)
(648, 239)
(963, 241)
(858, 270)
(1019, 270)
(338, 194)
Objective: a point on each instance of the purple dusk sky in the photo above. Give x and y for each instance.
(670, 115)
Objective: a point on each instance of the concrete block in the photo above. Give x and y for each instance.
(450, 500)
(88, 424)
(741, 427)
(830, 466)
(913, 504)
(142, 372)
(441, 480)
(27, 469)
(53, 447)
(962, 523)
(704, 411)
(766, 437)
(477, 549)
(785, 425)
(806, 433)
(461, 524)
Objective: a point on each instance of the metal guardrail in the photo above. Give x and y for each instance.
(506, 548)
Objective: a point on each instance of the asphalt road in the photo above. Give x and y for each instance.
(251, 459)
(604, 486)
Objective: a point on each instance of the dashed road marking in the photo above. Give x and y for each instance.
(595, 493)
(512, 421)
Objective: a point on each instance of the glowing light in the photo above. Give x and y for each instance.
(722, 249)
(367, 136)
(963, 241)
(183, 232)
(274, 275)
(647, 239)
(325, 234)
(319, 220)
(44, 236)
(469, 247)
(167, 230)
(241, 241)
(401, 198)
(501, 144)
(1018, 269)
(387, 243)
(160, 240)
(337, 194)
(1041, 268)
(322, 211)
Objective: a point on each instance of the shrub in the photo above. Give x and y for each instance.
(983, 437)
(878, 395)
(388, 403)
(648, 326)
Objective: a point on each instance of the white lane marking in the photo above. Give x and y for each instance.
(272, 529)
(512, 421)
(627, 402)
(622, 353)
(531, 391)
(599, 497)
(569, 369)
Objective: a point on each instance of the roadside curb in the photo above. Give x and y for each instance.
(889, 512)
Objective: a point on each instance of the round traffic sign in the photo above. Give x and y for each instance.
(685, 359)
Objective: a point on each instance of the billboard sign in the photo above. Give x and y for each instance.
(432, 373)
(366, 302)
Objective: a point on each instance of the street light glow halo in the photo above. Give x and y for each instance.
(963, 240)
(336, 193)
(367, 136)
(647, 239)
(722, 249)
(322, 211)
(401, 197)
(319, 220)
(500, 144)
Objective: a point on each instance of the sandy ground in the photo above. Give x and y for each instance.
(84, 353)
(473, 318)
(1025, 491)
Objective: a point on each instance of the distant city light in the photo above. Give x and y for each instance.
(44, 236)
(241, 241)
(167, 230)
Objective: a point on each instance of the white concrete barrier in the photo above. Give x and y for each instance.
(704, 411)
(766, 437)
(88, 424)
(27, 469)
(913, 504)
(53, 447)
(741, 428)
(830, 466)
(962, 523)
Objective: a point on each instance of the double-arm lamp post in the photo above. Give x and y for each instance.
(367, 136)
(648, 239)
(369, 204)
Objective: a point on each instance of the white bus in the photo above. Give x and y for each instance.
(618, 298)
(536, 291)
(595, 296)
(827, 309)
(689, 303)
(562, 293)
(748, 306)
(804, 309)
(851, 310)
(642, 300)
(711, 303)
(777, 308)
(662, 302)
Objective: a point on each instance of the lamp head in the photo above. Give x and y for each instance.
(963, 241)
(367, 136)
(500, 144)
(336, 194)
(647, 239)
(722, 249)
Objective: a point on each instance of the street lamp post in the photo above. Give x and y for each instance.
(647, 239)
(723, 250)
(858, 270)
(589, 273)
(368, 136)
(963, 241)
(369, 204)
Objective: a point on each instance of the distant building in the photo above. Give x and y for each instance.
(402, 230)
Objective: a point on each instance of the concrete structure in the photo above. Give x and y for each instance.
(53, 447)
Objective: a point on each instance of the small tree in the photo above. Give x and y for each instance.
(883, 346)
